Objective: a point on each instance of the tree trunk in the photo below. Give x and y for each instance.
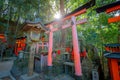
(119, 33)
(62, 12)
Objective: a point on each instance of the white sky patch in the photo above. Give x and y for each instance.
(57, 15)
(34, 13)
(117, 14)
(56, 12)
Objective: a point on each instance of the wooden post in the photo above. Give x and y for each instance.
(114, 68)
(77, 62)
(50, 47)
(110, 68)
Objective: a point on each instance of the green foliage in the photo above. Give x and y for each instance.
(28, 9)
(16, 12)
(96, 31)
(73, 4)
(92, 34)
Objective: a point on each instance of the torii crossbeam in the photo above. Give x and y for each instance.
(71, 16)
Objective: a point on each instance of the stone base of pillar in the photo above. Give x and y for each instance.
(78, 77)
(26, 77)
(50, 72)
(49, 69)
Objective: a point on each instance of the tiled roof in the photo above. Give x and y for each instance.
(113, 45)
(104, 8)
(28, 25)
(112, 55)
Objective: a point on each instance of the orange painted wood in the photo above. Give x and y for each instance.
(110, 68)
(77, 62)
(55, 29)
(116, 49)
(115, 69)
(76, 14)
(107, 48)
(20, 45)
(119, 68)
(68, 17)
(113, 49)
(2, 36)
(50, 47)
(66, 26)
(113, 9)
(82, 21)
(114, 19)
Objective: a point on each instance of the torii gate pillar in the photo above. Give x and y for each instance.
(50, 48)
(77, 62)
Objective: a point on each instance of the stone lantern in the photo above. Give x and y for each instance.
(33, 32)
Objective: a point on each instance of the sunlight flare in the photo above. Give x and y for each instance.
(57, 16)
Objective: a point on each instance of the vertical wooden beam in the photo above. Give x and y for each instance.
(115, 71)
(77, 62)
(110, 68)
(50, 47)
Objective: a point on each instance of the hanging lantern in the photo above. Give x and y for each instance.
(33, 35)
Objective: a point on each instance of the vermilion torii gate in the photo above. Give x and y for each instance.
(112, 53)
(73, 24)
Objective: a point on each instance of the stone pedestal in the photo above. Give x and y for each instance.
(31, 61)
(78, 77)
(26, 77)
(5, 67)
(49, 74)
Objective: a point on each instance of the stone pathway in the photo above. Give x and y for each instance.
(6, 78)
(59, 77)
(63, 77)
(45, 77)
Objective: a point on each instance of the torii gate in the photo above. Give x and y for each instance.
(72, 17)
(113, 60)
